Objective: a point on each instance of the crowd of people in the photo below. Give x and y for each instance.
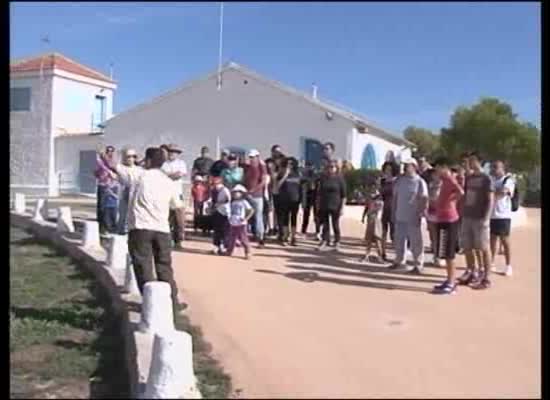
(238, 197)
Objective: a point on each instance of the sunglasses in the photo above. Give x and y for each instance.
(131, 156)
(110, 151)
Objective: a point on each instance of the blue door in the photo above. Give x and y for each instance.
(99, 111)
(313, 152)
(368, 160)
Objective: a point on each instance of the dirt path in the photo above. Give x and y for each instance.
(297, 323)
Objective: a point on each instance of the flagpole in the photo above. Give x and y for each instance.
(220, 49)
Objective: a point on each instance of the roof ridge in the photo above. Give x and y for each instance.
(55, 54)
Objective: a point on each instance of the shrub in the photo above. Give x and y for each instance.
(531, 198)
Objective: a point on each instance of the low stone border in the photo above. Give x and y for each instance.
(138, 345)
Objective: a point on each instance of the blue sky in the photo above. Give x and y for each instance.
(397, 63)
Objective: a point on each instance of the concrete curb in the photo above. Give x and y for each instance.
(138, 345)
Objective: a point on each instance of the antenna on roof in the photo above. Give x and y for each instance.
(111, 69)
(220, 48)
(46, 41)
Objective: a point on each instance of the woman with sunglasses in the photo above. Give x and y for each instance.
(332, 198)
(105, 179)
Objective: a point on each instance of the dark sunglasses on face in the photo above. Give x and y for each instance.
(131, 156)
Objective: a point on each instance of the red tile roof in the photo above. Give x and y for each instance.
(58, 61)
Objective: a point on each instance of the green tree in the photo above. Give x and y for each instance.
(491, 128)
(427, 143)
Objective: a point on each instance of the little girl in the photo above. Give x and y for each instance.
(373, 233)
(240, 214)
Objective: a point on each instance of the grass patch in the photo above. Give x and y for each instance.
(65, 340)
(213, 382)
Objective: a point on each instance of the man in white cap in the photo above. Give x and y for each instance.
(255, 180)
(176, 169)
(410, 201)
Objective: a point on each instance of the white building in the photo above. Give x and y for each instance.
(54, 100)
(251, 111)
(59, 122)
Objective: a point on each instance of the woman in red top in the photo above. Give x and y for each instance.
(447, 216)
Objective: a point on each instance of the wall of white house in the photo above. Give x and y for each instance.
(67, 158)
(30, 138)
(73, 105)
(381, 148)
(250, 115)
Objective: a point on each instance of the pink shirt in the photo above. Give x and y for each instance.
(449, 193)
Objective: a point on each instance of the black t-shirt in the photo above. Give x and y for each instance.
(290, 190)
(217, 168)
(332, 191)
(202, 165)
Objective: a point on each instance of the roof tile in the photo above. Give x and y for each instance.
(58, 61)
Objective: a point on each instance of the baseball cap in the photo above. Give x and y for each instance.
(239, 188)
(410, 160)
(253, 153)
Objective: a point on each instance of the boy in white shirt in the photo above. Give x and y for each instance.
(501, 218)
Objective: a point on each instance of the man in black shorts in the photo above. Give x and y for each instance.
(501, 218)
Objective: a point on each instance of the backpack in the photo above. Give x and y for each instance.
(514, 196)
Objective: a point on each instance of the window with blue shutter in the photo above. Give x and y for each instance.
(20, 99)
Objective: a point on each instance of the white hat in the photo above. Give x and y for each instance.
(410, 160)
(198, 178)
(239, 188)
(253, 153)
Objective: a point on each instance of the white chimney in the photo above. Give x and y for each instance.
(314, 91)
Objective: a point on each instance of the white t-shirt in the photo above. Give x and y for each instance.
(408, 192)
(503, 206)
(239, 209)
(171, 167)
(151, 201)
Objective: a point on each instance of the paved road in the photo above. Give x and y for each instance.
(297, 323)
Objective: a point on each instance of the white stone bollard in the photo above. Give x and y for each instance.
(118, 252)
(171, 374)
(90, 236)
(157, 313)
(130, 281)
(40, 210)
(19, 204)
(64, 220)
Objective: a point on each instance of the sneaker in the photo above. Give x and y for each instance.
(396, 266)
(293, 242)
(336, 246)
(322, 246)
(482, 284)
(446, 288)
(319, 236)
(415, 271)
(364, 259)
(441, 285)
(507, 271)
(467, 278)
